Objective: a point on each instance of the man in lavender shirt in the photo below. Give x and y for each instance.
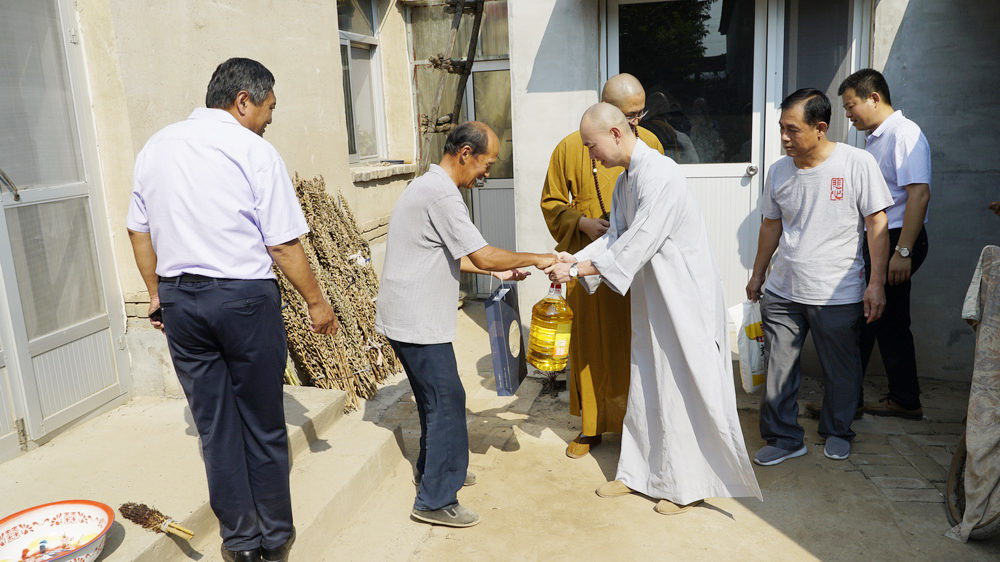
(212, 208)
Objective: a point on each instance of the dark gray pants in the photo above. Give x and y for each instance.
(227, 342)
(836, 330)
(444, 436)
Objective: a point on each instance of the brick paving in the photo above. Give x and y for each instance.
(907, 460)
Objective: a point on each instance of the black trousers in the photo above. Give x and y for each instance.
(444, 437)
(892, 330)
(227, 343)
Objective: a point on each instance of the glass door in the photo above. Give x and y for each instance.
(61, 317)
(703, 66)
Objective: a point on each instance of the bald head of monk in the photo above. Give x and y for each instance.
(625, 92)
(607, 135)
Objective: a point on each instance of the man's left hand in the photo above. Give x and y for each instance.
(874, 301)
(559, 273)
(511, 275)
(899, 269)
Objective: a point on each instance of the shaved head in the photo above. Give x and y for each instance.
(603, 117)
(607, 134)
(623, 90)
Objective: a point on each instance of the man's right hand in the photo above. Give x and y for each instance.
(593, 228)
(545, 260)
(322, 319)
(754, 288)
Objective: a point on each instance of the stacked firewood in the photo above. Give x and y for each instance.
(357, 359)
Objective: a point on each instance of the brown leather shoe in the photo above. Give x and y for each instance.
(812, 410)
(886, 407)
(613, 489)
(667, 507)
(581, 445)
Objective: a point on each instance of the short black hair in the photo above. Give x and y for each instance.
(471, 134)
(864, 82)
(815, 105)
(235, 75)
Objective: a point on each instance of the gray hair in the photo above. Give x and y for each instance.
(234, 76)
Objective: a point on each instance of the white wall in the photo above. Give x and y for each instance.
(554, 70)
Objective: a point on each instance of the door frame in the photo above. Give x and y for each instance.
(19, 351)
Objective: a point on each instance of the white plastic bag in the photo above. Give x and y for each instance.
(750, 340)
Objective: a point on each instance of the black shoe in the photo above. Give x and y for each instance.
(240, 555)
(279, 554)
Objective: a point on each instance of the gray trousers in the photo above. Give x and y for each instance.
(836, 331)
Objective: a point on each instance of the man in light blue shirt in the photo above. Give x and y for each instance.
(904, 157)
(212, 208)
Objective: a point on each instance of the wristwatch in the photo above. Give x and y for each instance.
(903, 252)
(574, 271)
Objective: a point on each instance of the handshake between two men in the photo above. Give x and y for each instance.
(559, 267)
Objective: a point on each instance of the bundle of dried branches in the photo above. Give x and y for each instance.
(357, 358)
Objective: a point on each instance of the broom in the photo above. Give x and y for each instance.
(151, 519)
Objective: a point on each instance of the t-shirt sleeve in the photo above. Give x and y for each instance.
(913, 160)
(278, 211)
(768, 206)
(874, 194)
(450, 219)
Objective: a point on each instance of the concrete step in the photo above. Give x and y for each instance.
(147, 451)
(347, 464)
(309, 412)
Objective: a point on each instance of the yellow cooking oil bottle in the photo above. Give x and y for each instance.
(548, 343)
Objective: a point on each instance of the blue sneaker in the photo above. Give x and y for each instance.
(837, 449)
(769, 455)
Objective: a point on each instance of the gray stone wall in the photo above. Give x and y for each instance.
(941, 62)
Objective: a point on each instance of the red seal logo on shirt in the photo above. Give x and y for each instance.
(837, 189)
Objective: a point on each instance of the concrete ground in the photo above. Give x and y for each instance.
(884, 503)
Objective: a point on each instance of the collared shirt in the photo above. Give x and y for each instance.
(213, 195)
(904, 156)
(429, 232)
(822, 212)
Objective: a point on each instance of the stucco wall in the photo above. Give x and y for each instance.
(165, 53)
(554, 79)
(148, 64)
(939, 59)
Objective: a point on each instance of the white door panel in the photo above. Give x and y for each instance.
(705, 94)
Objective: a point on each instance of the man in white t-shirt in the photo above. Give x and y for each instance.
(904, 156)
(816, 204)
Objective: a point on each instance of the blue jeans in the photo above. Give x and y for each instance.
(444, 438)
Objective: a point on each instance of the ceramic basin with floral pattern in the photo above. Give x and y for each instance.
(66, 531)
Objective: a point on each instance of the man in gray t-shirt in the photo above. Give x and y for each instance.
(431, 240)
(816, 204)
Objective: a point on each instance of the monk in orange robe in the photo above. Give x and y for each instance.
(576, 200)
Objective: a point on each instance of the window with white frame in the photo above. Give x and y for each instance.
(362, 84)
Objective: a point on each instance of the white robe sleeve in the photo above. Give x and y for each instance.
(659, 208)
(602, 244)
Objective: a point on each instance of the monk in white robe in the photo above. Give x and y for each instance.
(681, 441)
